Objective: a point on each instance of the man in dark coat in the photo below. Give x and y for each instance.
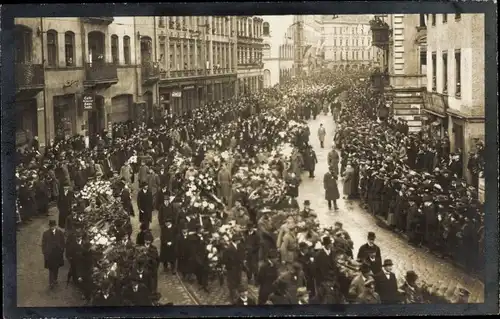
(126, 199)
(244, 299)
(331, 188)
(168, 246)
(183, 254)
(53, 251)
(306, 260)
(153, 261)
(386, 284)
(75, 255)
(106, 297)
(145, 204)
(234, 257)
(252, 245)
(333, 160)
(268, 273)
(136, 294)
(64, 204)
(370, 246)
(310, 161)
(325, 263)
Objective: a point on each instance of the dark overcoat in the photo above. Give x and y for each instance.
(53, 245)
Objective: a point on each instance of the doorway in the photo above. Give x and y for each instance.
(96, 120)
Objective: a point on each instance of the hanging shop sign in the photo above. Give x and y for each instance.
(176, 94)
(88, 102)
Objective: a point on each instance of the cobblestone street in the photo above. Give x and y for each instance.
(32, 278)
(358, 223)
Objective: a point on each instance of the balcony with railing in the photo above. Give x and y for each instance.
(150, 72)
(29, 78)
(100, 73)
(99, 20)
(380, 32)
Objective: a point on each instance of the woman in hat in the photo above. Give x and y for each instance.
(411, 291)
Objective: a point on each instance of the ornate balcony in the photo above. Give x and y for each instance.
(100, 74)
(380, 33)
(150, 73)
(29, 78)
(99, 20)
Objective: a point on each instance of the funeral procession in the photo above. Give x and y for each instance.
(249, 160)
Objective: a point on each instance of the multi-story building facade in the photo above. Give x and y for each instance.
(455, 78)
(403, 59)
(250, 45)
(278, 54)
(311, 40)
(198, 60)
(81, 75)
(347, 40)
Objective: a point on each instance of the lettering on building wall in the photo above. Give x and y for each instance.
(88, 102)
(176, 94)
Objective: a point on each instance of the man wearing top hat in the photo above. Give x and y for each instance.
(358, 283)
(325, 263)
(267, 275)
(234, 259)
(168, 245)
(145, 204)
(64, 204)
(370, 246)
(386, 284)
(53, 251)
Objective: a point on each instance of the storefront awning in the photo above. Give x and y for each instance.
(435, 113)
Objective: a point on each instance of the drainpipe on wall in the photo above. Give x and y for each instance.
(46, 125)
(156, 61)
(138, 82)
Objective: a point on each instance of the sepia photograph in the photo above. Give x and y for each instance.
(323, 159)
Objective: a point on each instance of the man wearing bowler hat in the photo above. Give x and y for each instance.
(386, 284)
(411, 292)
(53, 244)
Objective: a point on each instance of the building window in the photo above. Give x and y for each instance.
(161, 22)
(114, 49)
(423, 62)
(422, 21)
(265, 29)
(433, 19)
(162, 52)
(172, 56)
(458, 16)
(52, 48)
(458, 73)
(126, 49)
(445, 18)
(434, 71)
(445, 72)
(69, 48)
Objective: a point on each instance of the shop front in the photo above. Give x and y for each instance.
(435, 107)
(26, 121)
(65, 122)
(188, 98)
(121, 106)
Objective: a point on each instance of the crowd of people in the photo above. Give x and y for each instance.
(413, 181)
(223, 181)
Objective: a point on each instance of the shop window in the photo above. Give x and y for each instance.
(126, 49)
(114, 49)
(69, 48)
(52, 48)
(434, 71)
(458, 73)
(445, 72)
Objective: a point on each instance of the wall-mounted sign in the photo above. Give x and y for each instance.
(176, 94)
(189, 87)
(88, 101)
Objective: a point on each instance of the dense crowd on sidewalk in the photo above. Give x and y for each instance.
(223, 181)
(412, 181)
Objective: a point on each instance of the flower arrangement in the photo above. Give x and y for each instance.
(97, 189)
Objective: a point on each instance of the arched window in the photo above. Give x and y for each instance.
(126, 49)
(265, 28)
(23, 38)
(69, 48)
(114, 49)
(52, 48)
